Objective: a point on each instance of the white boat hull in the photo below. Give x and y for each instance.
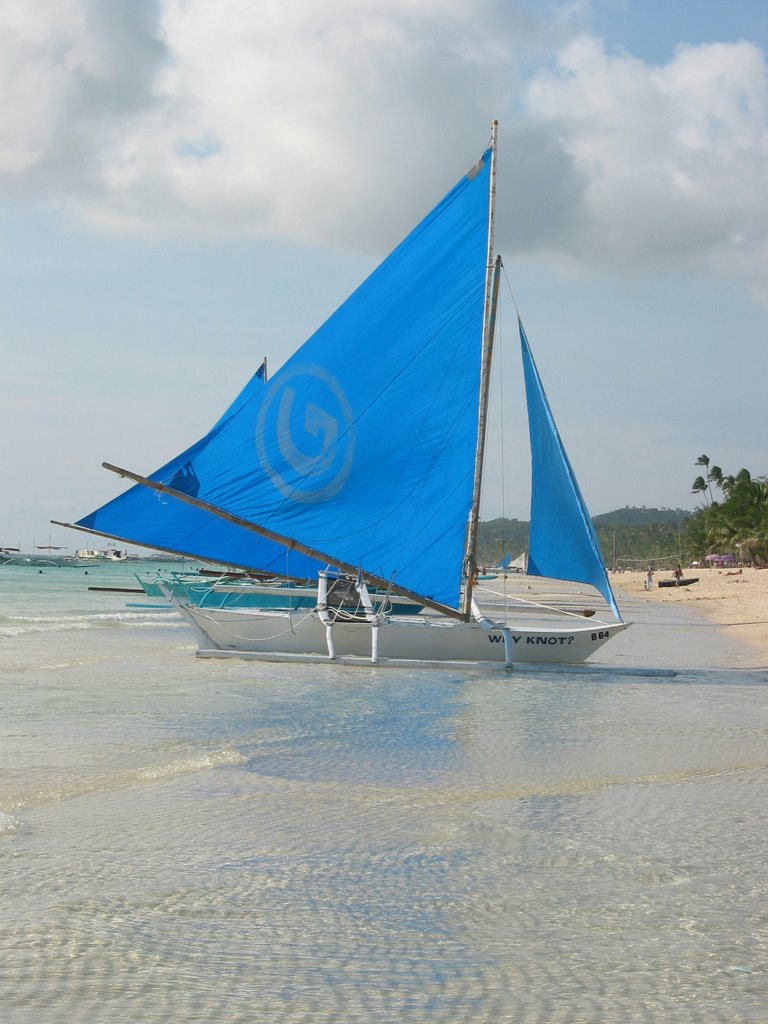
(303, 636)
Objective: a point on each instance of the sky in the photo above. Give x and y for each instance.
(187, 187)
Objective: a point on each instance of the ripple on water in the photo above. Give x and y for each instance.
(240, 842)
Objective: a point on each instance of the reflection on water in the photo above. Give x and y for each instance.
(196, 841)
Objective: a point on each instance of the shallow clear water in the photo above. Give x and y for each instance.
(186, 840)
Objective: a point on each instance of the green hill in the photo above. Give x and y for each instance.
(641, 517)
(627, 537)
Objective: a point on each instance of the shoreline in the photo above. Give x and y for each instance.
(735, 600)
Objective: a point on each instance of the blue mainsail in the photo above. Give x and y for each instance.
(361, 447)
(563, 544)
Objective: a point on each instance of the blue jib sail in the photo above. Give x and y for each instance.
(361, 447)
(563, 544)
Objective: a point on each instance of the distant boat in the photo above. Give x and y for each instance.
(101, 555)
(509, 564)
(360, 463)
(678, 583)
(16, 557)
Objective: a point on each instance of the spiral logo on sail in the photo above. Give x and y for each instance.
(304, 435)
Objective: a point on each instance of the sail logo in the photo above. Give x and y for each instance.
(305, 436)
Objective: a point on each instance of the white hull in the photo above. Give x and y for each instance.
(303, 636)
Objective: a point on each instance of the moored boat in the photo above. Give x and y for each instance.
(109, 554)
(324, 632)
(361, 462)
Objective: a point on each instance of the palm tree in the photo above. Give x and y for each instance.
(703, 460)
(699, 486)
(740, 520)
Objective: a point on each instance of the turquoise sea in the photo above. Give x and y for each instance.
(185, 840)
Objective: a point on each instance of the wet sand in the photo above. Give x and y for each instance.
(735, 600)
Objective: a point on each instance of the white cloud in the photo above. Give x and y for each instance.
(269, 119)
(337, 122)
(73, 74)
(672, 160)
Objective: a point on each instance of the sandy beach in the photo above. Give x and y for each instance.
(735, 599)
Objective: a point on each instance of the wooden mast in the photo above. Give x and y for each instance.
(489, 321)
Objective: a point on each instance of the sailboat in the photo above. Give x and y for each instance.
(360, 462)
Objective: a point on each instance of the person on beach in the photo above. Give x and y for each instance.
(678, 574)
(649, 578)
